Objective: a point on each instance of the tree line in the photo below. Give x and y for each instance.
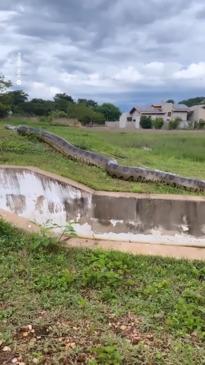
(62, 105)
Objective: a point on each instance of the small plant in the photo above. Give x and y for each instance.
(146, 122)
(106, 355)
(174, 123)
(158, 123)
(67, 231)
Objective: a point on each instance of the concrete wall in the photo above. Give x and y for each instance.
(40, 196)
(112, 124)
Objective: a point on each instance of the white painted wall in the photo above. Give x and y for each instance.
(123, 120)
(40, 198)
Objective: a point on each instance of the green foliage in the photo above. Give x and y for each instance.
(106, 355)
(174, 123)
(45, 119)
(110, 111)
(171, 101)
(193, 101)
(180, 152)
(158, 123)
(89, 103)
(38, 107)
(51, 290)
(62, 102)
(17, 99)
(85, 114)
(58, 114)
(201, 124)
(4, 110)
(146, 122)
(4, 84)
(67, 231)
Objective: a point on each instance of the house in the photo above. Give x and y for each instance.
(197, 113)
(166, 111)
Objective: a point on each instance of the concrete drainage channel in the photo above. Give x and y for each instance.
(157, 219)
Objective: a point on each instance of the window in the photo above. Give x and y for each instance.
(169, 114)
(129, 119)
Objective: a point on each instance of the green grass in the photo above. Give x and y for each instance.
(180, 152)
(71, 306)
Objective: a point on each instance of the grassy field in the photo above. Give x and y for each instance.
(70, 306)
(181, 152)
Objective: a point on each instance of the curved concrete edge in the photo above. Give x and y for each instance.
(179, 252)
(109, 165)
(19, 222)
(151, 211)
(115, 194)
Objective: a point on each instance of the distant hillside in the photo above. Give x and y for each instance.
(193, 101)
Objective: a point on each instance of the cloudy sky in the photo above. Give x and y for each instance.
(123, 51)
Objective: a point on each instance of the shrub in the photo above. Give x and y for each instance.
(201, 124)
(146, 122)
(45, 119)
(4, 110)
(59, 114)
(174, 123)
(158, 123)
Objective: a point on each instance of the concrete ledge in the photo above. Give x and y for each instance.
(158, 219)
(180, 252)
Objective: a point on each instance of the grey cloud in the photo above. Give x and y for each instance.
(96, 40)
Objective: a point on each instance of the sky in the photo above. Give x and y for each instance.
(126, 52)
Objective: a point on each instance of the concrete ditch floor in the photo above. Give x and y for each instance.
(134, 248)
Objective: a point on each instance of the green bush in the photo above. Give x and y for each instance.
(4, 109)
(158, 123)
(58, 114)
(201, 124)
(146, 122)
(174, 123)
(45, 119)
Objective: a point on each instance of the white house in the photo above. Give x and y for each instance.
(166, 111)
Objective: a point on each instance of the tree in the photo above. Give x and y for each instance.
(62, 102)
(89, 102)
(4, 110)
(193, 101)
(4, 100)
(85, 114)
(4, 84)
(16, 99)
(110, 111)
(171, 101)
(38, 107)
(146, 122)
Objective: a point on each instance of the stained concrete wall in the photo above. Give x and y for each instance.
(40, 196)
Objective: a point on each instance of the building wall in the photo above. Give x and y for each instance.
(198, 113)
(181, 115)
(136, 119)
(123, 120)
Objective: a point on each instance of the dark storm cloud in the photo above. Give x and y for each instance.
(119, 48)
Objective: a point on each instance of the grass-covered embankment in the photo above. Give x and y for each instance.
(181, 152)
(72, 306)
